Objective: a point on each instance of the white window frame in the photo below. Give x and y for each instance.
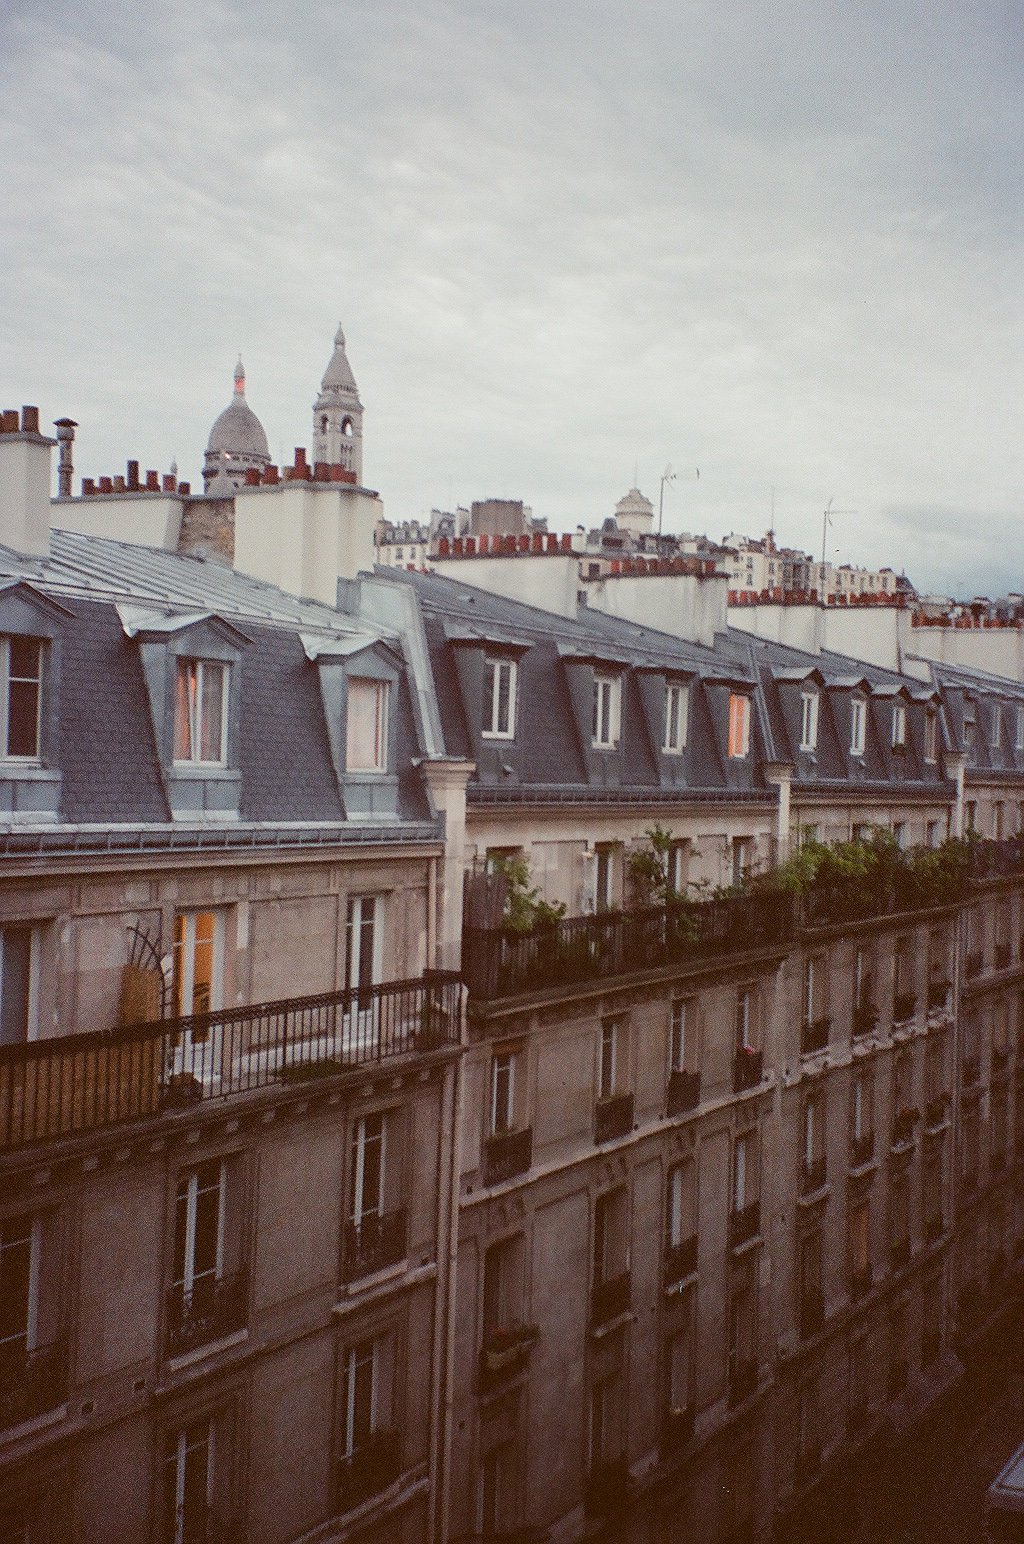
(899, 725)
(809, 721)
(608, 1058)
(995, 739)
(740, 1165)
(356, 1356)
(809, 989)
(679, 1035)
(180, 1460)
(607, 716)
(744, 1017)
(188, 1281)
(362, 1205)
(32, 1306)
(858, 725)
(362, 931)
(604, 868)
(187, 662)
(1018, 743)
(6, 682)
(675, 1204)
(503, 1091)
(677, 714)
(495, 669)
(382, 693)
(931, 736)
(861, 1105)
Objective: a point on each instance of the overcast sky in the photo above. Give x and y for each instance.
(780, 242)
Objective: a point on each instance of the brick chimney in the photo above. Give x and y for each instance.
(24, 483)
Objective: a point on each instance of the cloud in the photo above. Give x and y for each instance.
(780, 242)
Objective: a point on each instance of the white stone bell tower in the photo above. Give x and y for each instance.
(338, 414)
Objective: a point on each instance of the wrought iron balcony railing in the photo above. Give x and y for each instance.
(613, 1117)
(504, 1353)
(683, 1092)
(904, 1006)
(502, 962)
(865, 1017)
(31, 1382)
(212, 1308)
(506, 1154)
(374, 1243)
(745, 1224)
(371, 1467)
(60, 1086)
(938, 995)
(747, 1069)
(680, 1260)
(609, 1299)
(814, 1035)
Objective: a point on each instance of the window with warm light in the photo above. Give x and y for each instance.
(200, 715)
(739, 724)
(366, 726)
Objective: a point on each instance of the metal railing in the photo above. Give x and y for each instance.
(747, 1069)
(501, 962)
(506, 1154)
(814, 1035)
(680, 1260)
(609, 1299)
(31, 1382)
(613, 1117)
(374, 1243)
(683, 1093)
(74, 1083)
(744, 1224)
(215, 1306)
(371, 1467)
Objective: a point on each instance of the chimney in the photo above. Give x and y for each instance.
(65, 428)
(24, 483)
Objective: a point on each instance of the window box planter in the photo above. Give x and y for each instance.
(507, 1154)
(683, 1092)
(814, 1036)
(613, 1118)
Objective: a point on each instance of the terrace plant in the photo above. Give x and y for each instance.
(525, 909)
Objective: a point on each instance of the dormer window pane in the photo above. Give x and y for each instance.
(931, 735)
(200, 721)
(997, 727)
(899, 724)
(858, 724)
(808, 721)
(499, 699)
(1019, 742)
(607, 699)
(366, 728)
(676, 705)
(21, 672)
(739, 724)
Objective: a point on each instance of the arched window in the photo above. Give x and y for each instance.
(346, 427)
(323, 424)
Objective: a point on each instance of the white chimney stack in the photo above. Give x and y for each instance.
(24, 483)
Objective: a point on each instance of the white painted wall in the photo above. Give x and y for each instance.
(25, 492)
(999, 650)
(550, 580)
(304, 536)
(878, 635)
(145, 519)
(683, 605)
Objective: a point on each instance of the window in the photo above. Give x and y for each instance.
(676, 712)
(860, 1241)
(199, 1232)
(605, 1439)
(359, 1414)
(860, 1107)
(366, 1174)
(744, 1171)
(200, 717)
(810, 992)
(899, 725)
(680, 1049)
(998, 820)
(808, 721)
(362, 942)
(742, 853)
(679, 1205)
(189, 1476)
(366, 726)
(19, 1266)
(604, 877)
(495, 1466)
(996, 728)
(609, 1259)
(679, 1366)
(1018, 743)
(501, 1281)
(899, 831)
(744, 1019)
(933, 833)
(814, 1133)
(499, 699)
(21, 692)
(739, 724)
(503, 1073)
(609, 1070)
(677, 868)
(198, 962)
(18, 983)
(858, 725)
(971, 815)
(607, 710)
(931, 735)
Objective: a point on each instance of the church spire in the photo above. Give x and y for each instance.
(240, 378)
(338, 414)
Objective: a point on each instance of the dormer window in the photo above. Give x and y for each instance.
(899, 726)
(499, 720)
(200, 714)
(931, 735)
(366, 726)
(739, 724)
(808, 721)
(858, 725)
(21, 691)
(996, 736)
(607, 711)
(1018, 743)
(676, 713)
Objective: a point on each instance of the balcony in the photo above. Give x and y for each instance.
(59, 1087)
(371, 1467)
(862, 1149)
(680, 1261)
(938, 996)
(504, 1353)
(613, 1118)
(214, 1308)
(501, 962)
(903, 1126)
(677, 1429)
(683, 1092)
(31, 1382)
(904, 1006)
(747, 1069)
(374, 1243)
(814, 1177)
(506, 1154)
(970, 1070)
(865, 1017)
(935, 1110)
(1002, 956)
(974, 964)
(814, 1036)
(812, 1311)
(860, 1280)
(609, 1300)
(745, 1224)
(742, 1379)
(607, 1488)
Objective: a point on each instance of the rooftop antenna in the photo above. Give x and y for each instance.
(826, 522)
(667, 476)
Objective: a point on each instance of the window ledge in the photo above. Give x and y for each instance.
(601, 1331)
(212, 1347)
(27, 772)
(814, 1197)
(368, 1289)
(201, 771)
(11, 1434)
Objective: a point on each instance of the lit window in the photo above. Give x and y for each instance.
(21, 676)
(607, 708)
(899, 725)
(499, 699)
(739, 724)
(200, 718)
(676, 706)
(366, 727)
(858, 725)
(808, 721)
(931, 735)
(197, 962)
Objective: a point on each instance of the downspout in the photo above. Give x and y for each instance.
(432, 914)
